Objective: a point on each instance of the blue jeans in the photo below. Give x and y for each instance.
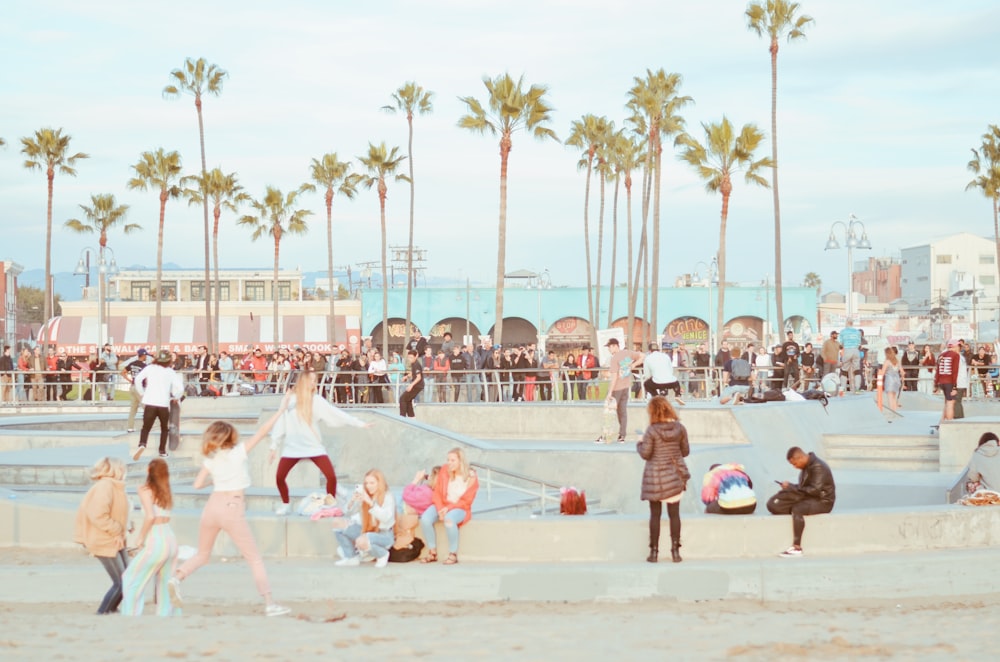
(115, 567)
(379, 541)
(451, 521)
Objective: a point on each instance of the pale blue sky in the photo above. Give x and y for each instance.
(878, 108)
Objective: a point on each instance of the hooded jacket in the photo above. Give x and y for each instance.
(985, 465)
(664, 447)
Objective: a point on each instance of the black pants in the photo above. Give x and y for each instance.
(798, 510)
(715, 509)
(654, 389)
(544, 389)
(655, 513)
(406, 402)
(149, 414)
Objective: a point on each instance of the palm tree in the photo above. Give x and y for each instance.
(813, 280)
(196, 78)
(381, 163)
(48, 150)
(159, 171)
(723, 155)
(588, 133)
(628, 156)
(410, 99)
(509, 108)
(775, 19)
(985, 164)
(333, 176)
(224, 192)
(277, 216)
(656, 98)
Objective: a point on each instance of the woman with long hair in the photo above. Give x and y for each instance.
(664, 446)
(892, 380)
(297, 435)
(101, 525)
(928, 363)
(377, 377)
(371, 531)
(157, 545)
(227, 464)
(454, 491)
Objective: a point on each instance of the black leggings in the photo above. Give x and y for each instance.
(150, 414)
(655, 513)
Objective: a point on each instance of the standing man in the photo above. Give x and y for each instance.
(38, 375)
(131, 370)
(6, 376)
(620, 371)
(850, 340)
(791, 350)
(416, 385)
(107, 365)
(814, 494)
(588, 363)
(548, 377)
(946, 378)
(157, 385)
(201, 369)
(702, 364)
(911, 366)
(830, 354)
(427, 363)
(457, 363)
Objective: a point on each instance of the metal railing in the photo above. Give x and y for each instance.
(539, 488)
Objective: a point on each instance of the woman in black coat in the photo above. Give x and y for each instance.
(664, 446)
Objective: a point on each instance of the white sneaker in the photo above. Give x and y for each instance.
(174, 586)
(138, 452)
(382, 561)
(350, 560)
(274, 609)
(282, 510)
(791, 552)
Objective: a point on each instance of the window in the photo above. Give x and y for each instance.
(921, 279)
(284, 290)
(944, 259)
(223, 291)
(140, 290)
(987, 280)
(169, 292)
(253, 290)
(197, 290)
(986, 259)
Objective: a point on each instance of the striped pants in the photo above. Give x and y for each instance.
(156, 558)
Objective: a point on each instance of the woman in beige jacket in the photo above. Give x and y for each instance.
(101, 525)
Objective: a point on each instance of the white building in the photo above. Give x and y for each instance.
(960, 264)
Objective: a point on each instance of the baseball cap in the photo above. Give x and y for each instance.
(163, 357)
(833, 334)
(141, 351)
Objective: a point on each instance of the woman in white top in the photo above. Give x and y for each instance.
(762, 376)
(371, 531)
(298, 435)
(227, 464)
(377, 371)
(157, 548)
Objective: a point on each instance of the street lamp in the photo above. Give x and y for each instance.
(542, 281)
(711, 275)
(105, 269)
(852, 241)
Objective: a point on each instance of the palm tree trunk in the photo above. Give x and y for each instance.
(47, 311)
(774, 187)
(655, 275)
(614, 258)
(586, 244)
(385, 281)
(409, 244)
(719, 315)
(330, 325)
(502, 239)
(216, 213)
(274, 291)
(996, 239)
(212, 340)
(159, 270)
(630, 282)
(600, 249)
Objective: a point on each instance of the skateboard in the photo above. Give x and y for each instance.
(174, 425)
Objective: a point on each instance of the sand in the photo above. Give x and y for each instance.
(54, 622)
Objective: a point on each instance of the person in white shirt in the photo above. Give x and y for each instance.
(297, 434)
(156, 385)
(371, 530)
(658, 368)
(377, 371)
(227, 464)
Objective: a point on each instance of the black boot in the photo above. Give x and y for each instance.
(675, 551)
(653, 555)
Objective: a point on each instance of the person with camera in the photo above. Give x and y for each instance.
(371, 530)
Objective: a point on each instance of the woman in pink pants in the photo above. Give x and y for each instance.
(227, 464)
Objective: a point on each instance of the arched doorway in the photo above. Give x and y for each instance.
(569, 334)
(800, 326)
(744, 330)
(397, 325)
(457, 327)
(516, 331)
(640, 330)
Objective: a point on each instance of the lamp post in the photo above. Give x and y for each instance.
(851, 241)
(105, 269)
(543, 281)
(711, 275)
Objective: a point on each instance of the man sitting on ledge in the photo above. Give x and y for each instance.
(815, 494)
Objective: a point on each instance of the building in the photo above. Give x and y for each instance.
(9, 271)
(189, 285)
(880, 281)
(959, 264)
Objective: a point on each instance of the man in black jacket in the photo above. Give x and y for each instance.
(815, 494)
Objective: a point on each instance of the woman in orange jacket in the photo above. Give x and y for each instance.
(454, 492)
(101, 525)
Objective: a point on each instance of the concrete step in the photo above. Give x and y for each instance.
(864, 440)
(879, 452)
(884, 464)
(74, 475)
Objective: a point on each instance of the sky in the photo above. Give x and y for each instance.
(877, 111)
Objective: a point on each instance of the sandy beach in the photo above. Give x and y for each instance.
(222, 621)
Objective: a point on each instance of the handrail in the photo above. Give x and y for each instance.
(541, 485)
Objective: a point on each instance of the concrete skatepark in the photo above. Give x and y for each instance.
(892, 534)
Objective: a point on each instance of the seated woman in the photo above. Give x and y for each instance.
(454, 491)
(984, 467)
(727, 490)
(371, 530)
(418, 496)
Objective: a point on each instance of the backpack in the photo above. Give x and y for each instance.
(740, 369)
(408, 553)
(773, 395)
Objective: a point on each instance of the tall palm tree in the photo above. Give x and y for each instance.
(196, 77)
(985, 164)
(588, 133)
(333, 176)
(605, 172)
(774, 19)
(656, 98)
(509, 108)
(381, 163)
(723, 155)
(276, 216)
(159, 171)
(628, 156)
(223, 192)
(410, 99)
(48, 150)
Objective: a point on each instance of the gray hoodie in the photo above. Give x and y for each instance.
(985, 465)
